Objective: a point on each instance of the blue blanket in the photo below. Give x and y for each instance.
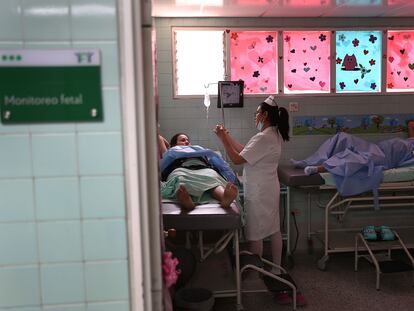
(216, 162)
(357, 165)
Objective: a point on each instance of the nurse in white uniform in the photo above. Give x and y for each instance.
(260, 157)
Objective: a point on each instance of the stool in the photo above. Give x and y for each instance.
(383, 264)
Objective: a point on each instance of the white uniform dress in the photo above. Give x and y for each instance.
(261, 184)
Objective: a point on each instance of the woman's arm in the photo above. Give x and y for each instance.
(232, 147)
(236, 145)
(163, 145)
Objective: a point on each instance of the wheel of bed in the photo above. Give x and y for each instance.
(322, 262)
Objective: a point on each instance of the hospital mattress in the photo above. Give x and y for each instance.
(295, 177)
(203, 217)
(393, 175)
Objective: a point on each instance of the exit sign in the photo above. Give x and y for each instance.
(38, 86)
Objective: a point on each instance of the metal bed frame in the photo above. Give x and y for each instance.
(213, 217)
(374, 257)
(205, 218)
(397, 195)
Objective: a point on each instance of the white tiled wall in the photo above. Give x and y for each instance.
(62, 210)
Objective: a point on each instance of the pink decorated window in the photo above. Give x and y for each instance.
(306, 61)
(253, 59)
(400, 61)
(306, 3)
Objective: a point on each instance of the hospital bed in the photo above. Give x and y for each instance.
(209, 217)
(396, 191)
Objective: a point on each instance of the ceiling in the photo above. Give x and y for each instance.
(282, 8)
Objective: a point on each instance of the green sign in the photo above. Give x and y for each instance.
(50, 86)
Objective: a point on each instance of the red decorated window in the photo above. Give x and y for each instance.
(253, 59)
(306, 61)
(400, 61)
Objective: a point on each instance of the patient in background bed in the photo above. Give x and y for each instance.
(188, 176)
(397, 150)
(356, 164)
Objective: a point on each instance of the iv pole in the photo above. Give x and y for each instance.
(207, 100)
(207, 104)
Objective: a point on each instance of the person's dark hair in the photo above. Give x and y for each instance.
(278, 116)
(173, 141)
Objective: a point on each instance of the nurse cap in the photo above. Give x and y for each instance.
(271, 101)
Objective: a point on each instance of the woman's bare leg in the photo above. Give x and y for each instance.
(256, 247)
(321, 169)
(225, 195)
(277, 246)
(184, 199)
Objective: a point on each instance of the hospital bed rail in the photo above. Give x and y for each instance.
(250, 261)
(339, 206)
(391, 195)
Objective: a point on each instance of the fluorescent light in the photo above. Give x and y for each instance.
(48, 11)
(93, 9)
(200, 2)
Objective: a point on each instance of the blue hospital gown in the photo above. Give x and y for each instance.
(356, 164)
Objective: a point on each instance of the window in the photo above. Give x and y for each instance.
(306, 62)
(253, 59)
(400, 61)
(198, 60)
(370, 3)
(358, 61)
(306, 3)
(203, 57)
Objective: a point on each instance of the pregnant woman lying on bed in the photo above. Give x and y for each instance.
(356, 164)
(194, 175)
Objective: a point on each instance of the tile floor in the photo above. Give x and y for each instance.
(337, 288)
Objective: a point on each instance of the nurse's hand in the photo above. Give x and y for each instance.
(220, 130)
